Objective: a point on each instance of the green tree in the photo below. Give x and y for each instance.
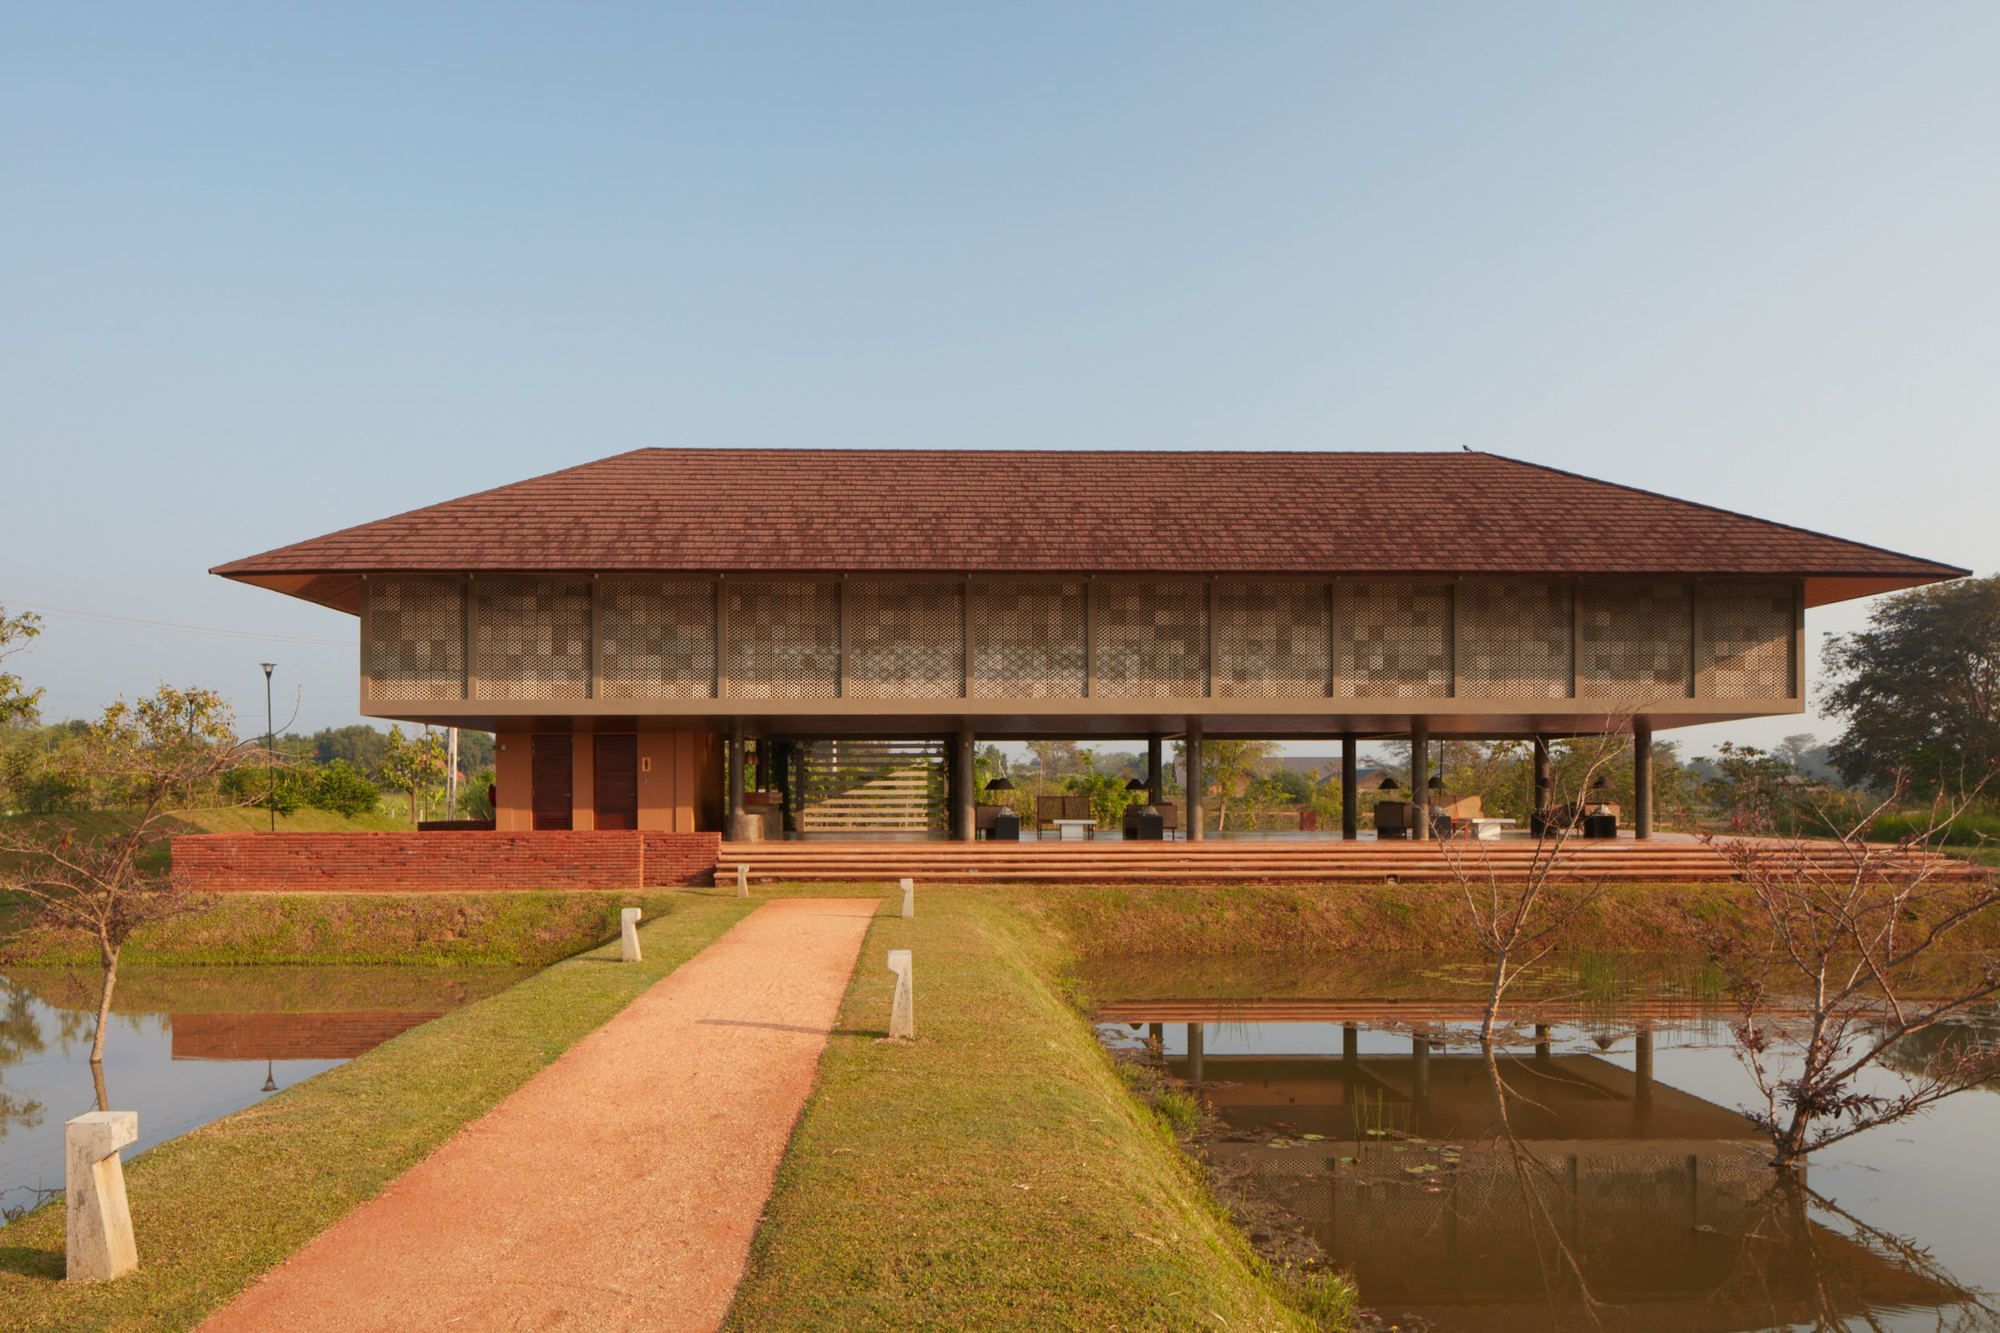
(1920, 688)
(17, 701)
(415, 767)
(1058, 759)
(1227, 768)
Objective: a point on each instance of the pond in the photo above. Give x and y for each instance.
(189, 1045)
(1602, 1150)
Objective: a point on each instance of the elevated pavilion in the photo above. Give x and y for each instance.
(627, 626)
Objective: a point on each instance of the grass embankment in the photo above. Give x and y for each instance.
(227, 819)
(1318, 921)
(445, 929)
(994, 1173)
(215, 1208)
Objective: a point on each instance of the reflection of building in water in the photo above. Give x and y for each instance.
(269, 1036)
(1418, 1188)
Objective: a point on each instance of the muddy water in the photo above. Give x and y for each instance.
(187, 1046)
(1596, 1172)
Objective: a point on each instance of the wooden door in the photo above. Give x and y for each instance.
(551, 781)
(615, 791)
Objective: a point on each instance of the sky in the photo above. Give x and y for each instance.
(268, 271)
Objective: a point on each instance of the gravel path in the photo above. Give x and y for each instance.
(619, 1187)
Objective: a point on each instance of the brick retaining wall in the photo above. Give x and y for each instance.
(442, 862)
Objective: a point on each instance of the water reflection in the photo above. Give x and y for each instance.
(1593, 1172)
(189, 1045)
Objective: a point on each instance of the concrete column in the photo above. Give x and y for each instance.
(736, 822)
(1541, 793)
(1194, 1052)
(1155, 773)
(1642, 778)
(962, 795)
(1350, 793)
(1194, 829)
(1420, 775)
(1350, 1042)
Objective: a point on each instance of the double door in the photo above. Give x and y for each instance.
(614, 785)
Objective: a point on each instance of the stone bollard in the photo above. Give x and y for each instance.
(909, 897)
(628, 934)
(902, 1011)
(100, 1224)
(743, 881)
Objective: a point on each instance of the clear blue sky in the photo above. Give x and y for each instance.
(267, 272)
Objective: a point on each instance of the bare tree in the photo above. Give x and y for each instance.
(1853, 955)
(151, 759)
(1516, 912)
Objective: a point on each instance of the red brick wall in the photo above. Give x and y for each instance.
(675, 859)
(442, 862)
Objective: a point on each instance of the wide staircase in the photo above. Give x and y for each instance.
(1252, 861)
(872, 787)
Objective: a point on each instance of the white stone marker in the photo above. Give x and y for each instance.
(902, 1012)
(100, 1224)
(743, 881)
(909, 897)
(628, 934)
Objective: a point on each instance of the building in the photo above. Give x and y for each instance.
(628, 626)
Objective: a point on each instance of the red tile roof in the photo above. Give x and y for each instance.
(1094, 511)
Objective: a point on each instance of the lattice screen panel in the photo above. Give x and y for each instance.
(530, 638)
(1150, 639)
(905, 639)
(655, 638)
(1514, 640)
(1027, 639)
(1744, 637)
(1392, 640)
(413, 644)
(1632, 643)
(1270, 640)
(783, 638)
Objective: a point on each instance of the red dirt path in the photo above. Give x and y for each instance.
(619, 1187)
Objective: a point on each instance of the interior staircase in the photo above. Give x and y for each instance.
(865, 787)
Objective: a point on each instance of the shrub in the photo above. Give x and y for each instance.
(342, 788)
(284, 788)
(1970, 829)
(473, 801)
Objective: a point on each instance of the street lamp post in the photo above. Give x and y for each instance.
(270, 749)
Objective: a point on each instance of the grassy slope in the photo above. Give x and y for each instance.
(484, 929)
(220, 1205)
(231, 819)
(995, 1173)
(1314, 921)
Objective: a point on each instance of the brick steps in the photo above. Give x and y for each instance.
(1224, 862)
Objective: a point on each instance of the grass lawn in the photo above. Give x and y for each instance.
(994, 1173)
(216, 1207)
(428, 929)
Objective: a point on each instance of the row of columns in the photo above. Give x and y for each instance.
(964, 797)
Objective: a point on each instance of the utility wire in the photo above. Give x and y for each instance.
(106, 618)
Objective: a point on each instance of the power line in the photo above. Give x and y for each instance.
(106, 618)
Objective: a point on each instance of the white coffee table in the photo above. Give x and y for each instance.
(1075, 830)
(1489, 830)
